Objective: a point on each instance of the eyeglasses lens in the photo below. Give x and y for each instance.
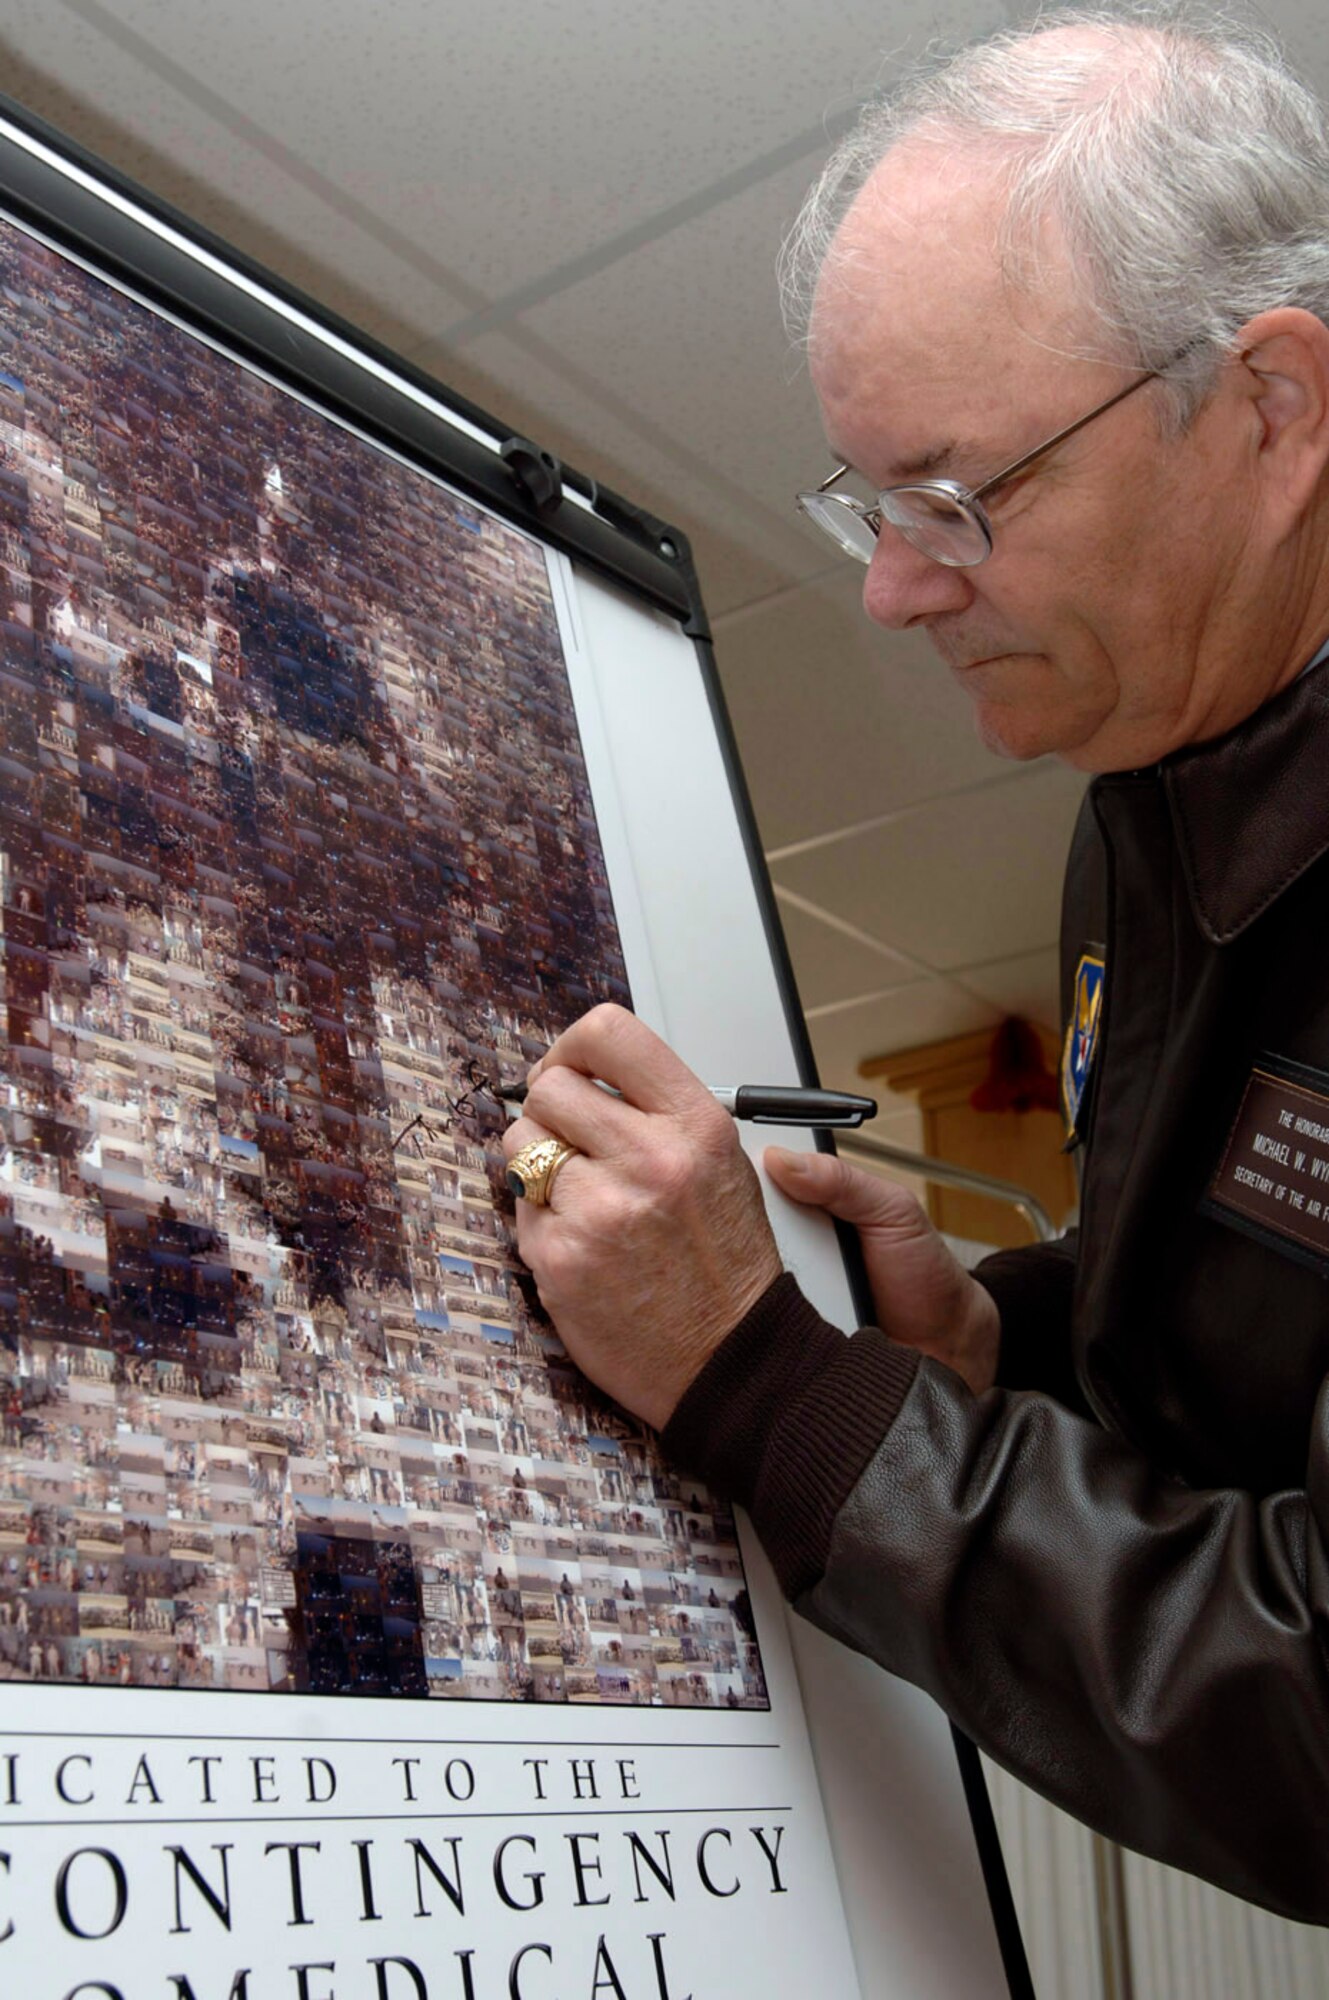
(842, 519)
(941, 526)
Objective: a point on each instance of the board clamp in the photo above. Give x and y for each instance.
(537, 472)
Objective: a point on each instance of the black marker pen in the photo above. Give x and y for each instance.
(767, 1104)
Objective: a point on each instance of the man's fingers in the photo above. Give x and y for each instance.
(821, 1180)
(569, 1104)
(618, 1048)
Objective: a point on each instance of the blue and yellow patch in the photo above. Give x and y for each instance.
(1077, 1055)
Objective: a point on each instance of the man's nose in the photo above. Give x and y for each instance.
(904, 587)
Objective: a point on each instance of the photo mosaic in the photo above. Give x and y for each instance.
(297, 860)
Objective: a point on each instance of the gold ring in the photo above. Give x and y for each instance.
(532, 1171)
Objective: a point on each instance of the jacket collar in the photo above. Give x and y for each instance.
(1250, 811)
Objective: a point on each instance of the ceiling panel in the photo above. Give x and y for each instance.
(931, 1011)
(830, 965)
(838, 721)
(689, 328)
(160, 137)
(515, 135)
(1029, 986)
(964, 881)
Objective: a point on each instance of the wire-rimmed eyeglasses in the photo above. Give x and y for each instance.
(944, 519)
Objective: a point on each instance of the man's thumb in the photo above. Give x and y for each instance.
(821, 1180)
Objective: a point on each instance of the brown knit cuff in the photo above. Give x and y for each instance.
(1033, 1289)
(784, 1418)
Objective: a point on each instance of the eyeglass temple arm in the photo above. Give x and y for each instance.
(1009, 471)
(1028, 458)
(838, 473)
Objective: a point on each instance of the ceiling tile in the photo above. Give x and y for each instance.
(829, 965)
(688, 328)
(930, 1011)
(160, 137)
(1029, 986)
(837, 721)
(517, 134)
(964, 880)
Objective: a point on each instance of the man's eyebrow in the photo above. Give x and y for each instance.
(924, 463)
(927, 464)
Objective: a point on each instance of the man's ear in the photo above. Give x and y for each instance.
(1284, 358)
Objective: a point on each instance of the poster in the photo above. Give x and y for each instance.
(298, 861)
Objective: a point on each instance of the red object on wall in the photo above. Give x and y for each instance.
(1018, 1079)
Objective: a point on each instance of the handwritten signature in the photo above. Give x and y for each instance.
(461, 1107)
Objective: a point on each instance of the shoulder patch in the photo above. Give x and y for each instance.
(1081, 1034)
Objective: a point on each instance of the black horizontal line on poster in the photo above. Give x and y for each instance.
(370, 1742)
(612, 536)
(641, 1811)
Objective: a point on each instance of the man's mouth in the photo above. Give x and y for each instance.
(961, 658)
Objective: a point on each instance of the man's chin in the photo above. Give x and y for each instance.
(1026, 727)
(1004, 688)
(1016, 733)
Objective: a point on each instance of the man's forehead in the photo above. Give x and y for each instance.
(913, 301)
(924, 205)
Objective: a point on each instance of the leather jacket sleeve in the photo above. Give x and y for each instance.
(1032, 1571)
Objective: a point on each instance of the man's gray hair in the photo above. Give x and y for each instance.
(1185, 166)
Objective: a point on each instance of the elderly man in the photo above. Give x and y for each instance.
(1068, 330)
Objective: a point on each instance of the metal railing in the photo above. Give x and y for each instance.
(944, 1174)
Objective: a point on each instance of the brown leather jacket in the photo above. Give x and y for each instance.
(1113, 1570)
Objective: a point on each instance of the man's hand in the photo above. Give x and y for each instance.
(655, 1243)
(923, 1296)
